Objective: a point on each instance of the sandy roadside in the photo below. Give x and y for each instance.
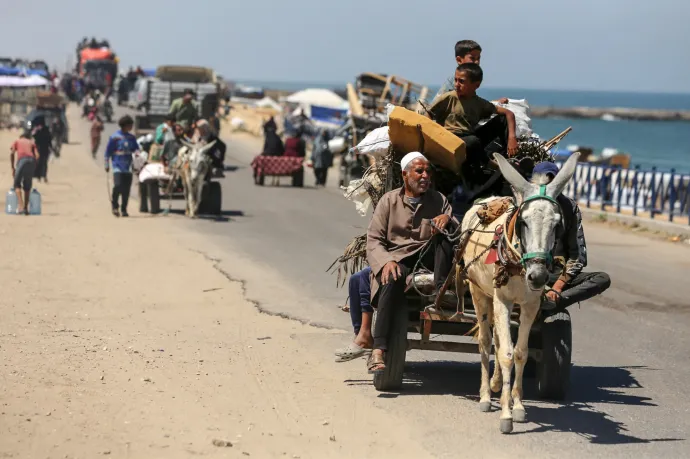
(119, 338)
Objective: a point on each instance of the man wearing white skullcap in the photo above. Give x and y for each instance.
(404, 221)
(408, 158)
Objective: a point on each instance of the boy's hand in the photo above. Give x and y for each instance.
(503, 100)
(554, 294)
(512, 146)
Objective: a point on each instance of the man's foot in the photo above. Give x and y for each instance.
(25, 211)
(124, 213)
(375, 363)
(116, 212)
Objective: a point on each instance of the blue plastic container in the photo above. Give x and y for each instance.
(35, 202)
(11, 203)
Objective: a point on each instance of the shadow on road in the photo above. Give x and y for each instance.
(224, 216)
(590, 386)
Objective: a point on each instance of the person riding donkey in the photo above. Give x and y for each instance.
(186, 111)
(405, 221)
(570, 284)
(207, 134)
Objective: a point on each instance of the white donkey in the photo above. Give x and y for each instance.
(538, 215)
(193, 165)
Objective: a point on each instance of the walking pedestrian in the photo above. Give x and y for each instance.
(322, 158)
(121, 150)
(44, 144)
(23, 156)
(96, 130)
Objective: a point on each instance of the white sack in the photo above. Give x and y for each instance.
(523, 123)
(376, 143)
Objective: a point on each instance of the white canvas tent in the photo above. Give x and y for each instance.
(319, 97)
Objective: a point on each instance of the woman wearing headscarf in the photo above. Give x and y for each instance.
(44, 144)
(207, 134)
(322, 158)
(273, 144)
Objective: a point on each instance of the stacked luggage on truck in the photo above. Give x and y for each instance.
(168, 85)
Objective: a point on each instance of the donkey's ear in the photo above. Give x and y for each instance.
(559, 182)
(208, 147)
(516, 180)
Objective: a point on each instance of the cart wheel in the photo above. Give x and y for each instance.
(553, 372)
(530, 368)
(154, 196)
(215, 198)
(298, 178)
(392, 376)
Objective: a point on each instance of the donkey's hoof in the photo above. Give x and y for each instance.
(485, 407)
(519, 416)
(506, 426)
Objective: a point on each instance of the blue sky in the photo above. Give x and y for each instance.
(626, 45)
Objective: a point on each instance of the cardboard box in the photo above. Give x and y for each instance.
(440, 146)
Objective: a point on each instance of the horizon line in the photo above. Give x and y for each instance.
(336, 85)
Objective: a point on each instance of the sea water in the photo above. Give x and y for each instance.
(664, 144)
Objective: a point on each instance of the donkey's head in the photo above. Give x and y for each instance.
(198, 159)
(539, 216)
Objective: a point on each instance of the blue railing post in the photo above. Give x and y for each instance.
(619, 187)
(687, 199)
(589, 185)
(636, 190)
(671, 195)
(652, 207)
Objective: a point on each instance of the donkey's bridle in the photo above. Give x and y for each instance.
(536, 256)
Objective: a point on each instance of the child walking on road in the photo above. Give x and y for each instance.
(96, 130)
(121, 149)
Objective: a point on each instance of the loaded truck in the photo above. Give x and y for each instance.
(154, 95)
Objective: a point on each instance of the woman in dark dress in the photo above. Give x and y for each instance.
(273, 144)
(44, 144)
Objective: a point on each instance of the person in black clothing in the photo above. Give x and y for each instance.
(273, 144)
(44, 144)
(217, 153)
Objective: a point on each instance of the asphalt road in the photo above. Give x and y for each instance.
(630, 345)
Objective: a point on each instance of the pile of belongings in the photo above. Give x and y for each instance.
(409, 131)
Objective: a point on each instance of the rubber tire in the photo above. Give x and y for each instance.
(211, 199)
(154, 196)
(553, 372)
(392, 376)
(530, 369)
(214, 198)
(298, 178)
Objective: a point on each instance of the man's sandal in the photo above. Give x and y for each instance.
(375, 364)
